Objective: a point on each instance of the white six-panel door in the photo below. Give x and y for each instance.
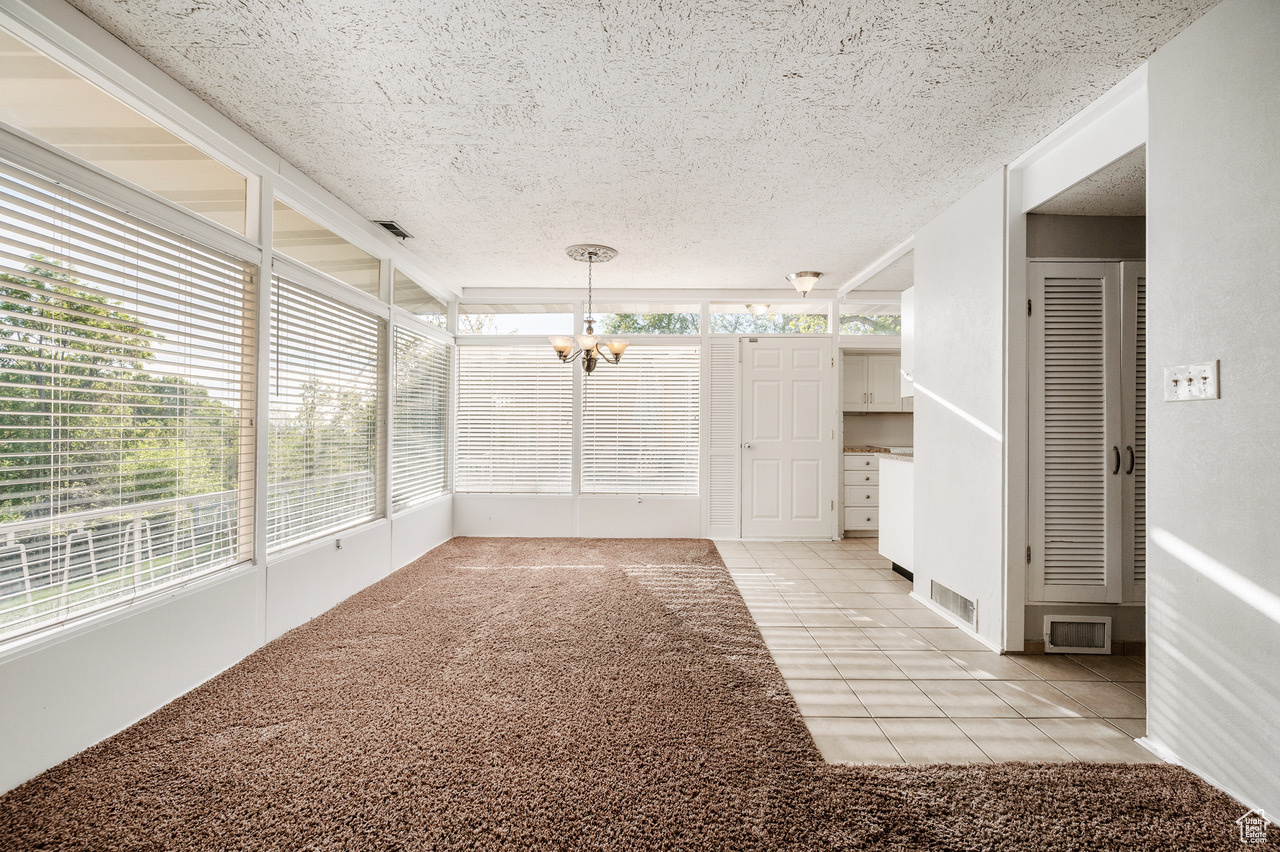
(788, 438)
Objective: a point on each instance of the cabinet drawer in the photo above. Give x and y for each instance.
(861, 461)
(856, 496)
(858, 518)
(862, 477)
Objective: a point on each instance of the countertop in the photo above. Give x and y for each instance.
(883, 452)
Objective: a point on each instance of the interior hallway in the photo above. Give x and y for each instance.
(881, 678)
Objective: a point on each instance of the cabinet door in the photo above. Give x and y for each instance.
(1133, 289)
(1076, 433)
(884, 386)
(855, 391)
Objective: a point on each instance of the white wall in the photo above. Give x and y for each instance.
(959, 402)
(1213, 220)
(74, 687)
(589, 516)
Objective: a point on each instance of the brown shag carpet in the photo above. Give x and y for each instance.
(531, 694)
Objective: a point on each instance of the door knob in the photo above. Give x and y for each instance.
(747, 445)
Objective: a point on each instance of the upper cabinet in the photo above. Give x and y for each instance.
(908, 342)
(871, 383)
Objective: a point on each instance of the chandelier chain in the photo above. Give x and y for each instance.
(591, 260)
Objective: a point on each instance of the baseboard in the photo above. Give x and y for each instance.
(1166, 754)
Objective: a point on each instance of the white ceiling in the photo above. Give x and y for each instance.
(1119, 189)
(715, 143)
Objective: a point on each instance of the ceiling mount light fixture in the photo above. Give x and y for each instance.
(804, 281)
(587, 342)
(758, 310)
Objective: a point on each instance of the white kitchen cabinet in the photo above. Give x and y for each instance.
(884, 386)
(861, 492)
(871, 383)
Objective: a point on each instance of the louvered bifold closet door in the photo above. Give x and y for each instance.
(723, 518)
(419, 419)
(323, 436)
(514, 422)
(640, 423)
(126, 365)
(1133, 285)
(1076, 435)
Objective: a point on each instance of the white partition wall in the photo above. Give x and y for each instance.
(959, 403)
(1213, 215)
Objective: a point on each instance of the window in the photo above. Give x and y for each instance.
(323, 430)
(769, 319)
(515, 409)
(125, 368)
(296, 236)
(420, 437)
(870, 318)
(515, 319)
(640, 423)
(417, 301)
(648, 319)
(62, 109)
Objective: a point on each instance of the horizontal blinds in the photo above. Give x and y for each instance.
(322, 452)
(419, 423)
(125, 404)
(514, 428)
(640, 423)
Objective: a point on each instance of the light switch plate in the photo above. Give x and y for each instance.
(1191, 381)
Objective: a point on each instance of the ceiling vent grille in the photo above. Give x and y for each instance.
(394, 229)
(954, 603)
(1077, 634)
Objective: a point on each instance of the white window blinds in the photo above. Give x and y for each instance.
(322, 453)
(125, 381)
(514, 427)
(640, 423)
(419, 422)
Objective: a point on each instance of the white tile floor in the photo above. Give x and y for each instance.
(880, 678)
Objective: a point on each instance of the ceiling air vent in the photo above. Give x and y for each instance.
(394, 229)
(954, 603)
(1077, 634)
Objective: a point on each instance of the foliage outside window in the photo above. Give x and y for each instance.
(516, 319)
(322, 438)
(648, 319)
(870, 323)
(776, 319)
(125, 404)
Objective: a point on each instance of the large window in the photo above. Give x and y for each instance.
(870, 318)
(322, 453)
(640, 423)
(298, 237)
(515, 405)
(419, 422)
(417, 301)
(125, 377)
(515, 319)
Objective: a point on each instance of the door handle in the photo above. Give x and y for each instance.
(1116, 450)
(873, 396)
(1131, 459)
(747, 445)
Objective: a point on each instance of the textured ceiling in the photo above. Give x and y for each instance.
(1119, 189)
(895, 277)
(715, 143)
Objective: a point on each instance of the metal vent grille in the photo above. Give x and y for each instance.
(1077, 634)
(394, 228)
(954, 603)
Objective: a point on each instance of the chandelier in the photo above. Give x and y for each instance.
(588, 345)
